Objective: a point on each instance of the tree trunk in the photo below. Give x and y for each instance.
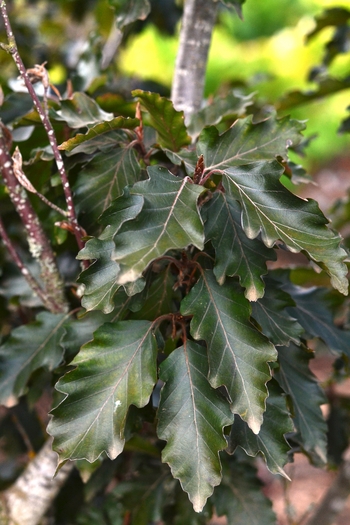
(28, 499)
(191, 62)
(335, 498)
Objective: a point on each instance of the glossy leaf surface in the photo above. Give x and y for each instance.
(103, 179)
(238, 353)
(236, 254)
(191, 418)
(268, 207)
(80, 111)
(270, 441)
(116, 369)
(100, 279)
(301, 385)
(315, 317)
(169, 219)
(240, 497)
(99, 136)
(30, 347)
(245, 143)
(272, 315)
(168, 122)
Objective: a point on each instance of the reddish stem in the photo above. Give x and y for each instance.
(38, 243)
(13, 50)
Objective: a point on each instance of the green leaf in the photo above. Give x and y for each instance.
(191, 418)
(123, 209)
(234, 104)
(79, 331)
(98, 136)
(235, 253)
(158, 298)
(301, 385)
(325, 87)
(181, 510)
(127, 11)
(169, 123)
(115, 370)
(270, 441)
(245, 142)
(276, 323)
(30, 347)
(80, 111)
(240, 498)
(312, 312)
(268, 207)
(238, 353)
(100, 279)
(236, 4)
(169, 219)
(103, 179)
(336, 16)
(143, 496)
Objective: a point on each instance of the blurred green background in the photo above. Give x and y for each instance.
(266, 51)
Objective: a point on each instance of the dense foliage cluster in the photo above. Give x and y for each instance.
(178, 349)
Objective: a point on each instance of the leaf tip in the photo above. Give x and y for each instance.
(253, 294)
(283, 473)
(254, 425)
(198, 503)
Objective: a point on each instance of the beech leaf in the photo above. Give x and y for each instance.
(191, 418)
(238, 353)
(158, 228)
(103, 179)
(270, 441)
(245, 143)
(312, 312)
(240, 497)
(235, 253)
(273, 317)
(127, 11)
(80, 111)
(270, 209)
(30, 347)
(158, 298)
(100, 279)
(169, 123)
(114, 370)
(99, 136)
(301, 385)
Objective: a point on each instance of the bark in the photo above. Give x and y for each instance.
(52, 294)
(29, 498)
(191, 62)
(335, 498)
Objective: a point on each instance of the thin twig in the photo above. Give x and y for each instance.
(39, 245)
(34, 285)
(11, 48)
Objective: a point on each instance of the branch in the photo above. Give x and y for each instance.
(24, 270)
(191, 62)
(13, 50)
(335, 498)
(28, 499)
(39, 245)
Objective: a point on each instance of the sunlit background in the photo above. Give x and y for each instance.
(268, 50)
